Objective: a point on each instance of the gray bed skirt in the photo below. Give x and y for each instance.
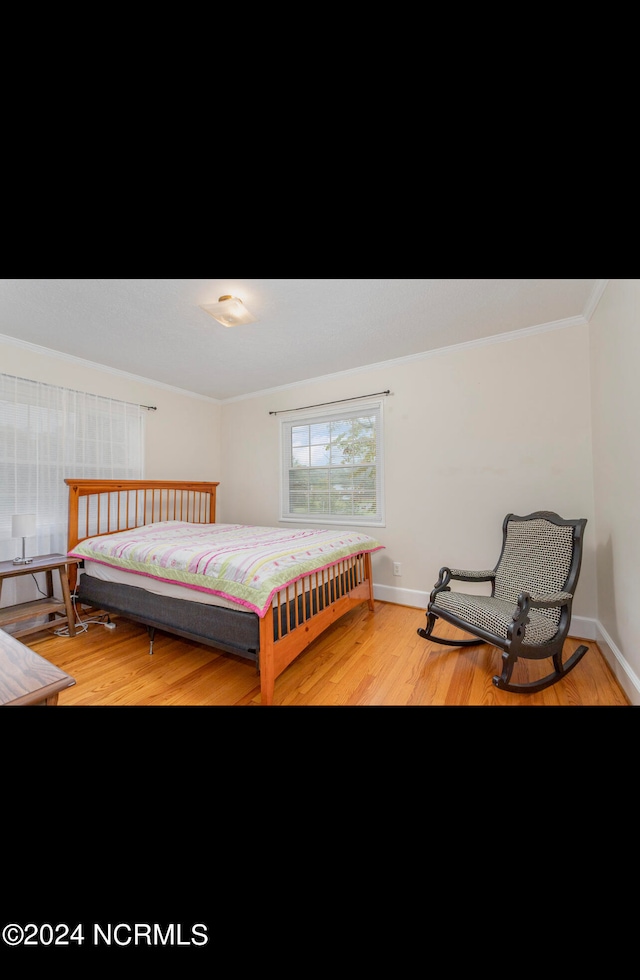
(229, 630)
(226, 629)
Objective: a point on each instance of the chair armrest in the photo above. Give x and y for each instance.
(447, 574)
(527, 601)
(549, 601)
(487, 575)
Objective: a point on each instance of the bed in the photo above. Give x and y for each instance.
(153, 552)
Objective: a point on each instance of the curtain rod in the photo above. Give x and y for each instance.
(284, 411)
(75, 391)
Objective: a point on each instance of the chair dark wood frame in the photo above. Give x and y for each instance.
(513, 646)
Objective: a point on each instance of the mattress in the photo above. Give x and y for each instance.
(106, 573)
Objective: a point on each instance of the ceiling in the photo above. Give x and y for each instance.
(307, 328)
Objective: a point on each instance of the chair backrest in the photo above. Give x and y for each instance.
(541, 554)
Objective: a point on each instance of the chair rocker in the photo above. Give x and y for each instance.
(528, 613)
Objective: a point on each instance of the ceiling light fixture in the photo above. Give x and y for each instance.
(229, 311)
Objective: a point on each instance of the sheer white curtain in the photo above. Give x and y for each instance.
(48, 434)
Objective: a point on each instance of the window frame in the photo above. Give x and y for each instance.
(343, 412)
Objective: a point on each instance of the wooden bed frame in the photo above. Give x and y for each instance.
(311, 605)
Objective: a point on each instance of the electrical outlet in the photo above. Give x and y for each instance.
(397, 568)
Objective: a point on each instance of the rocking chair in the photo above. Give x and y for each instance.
(528, 613)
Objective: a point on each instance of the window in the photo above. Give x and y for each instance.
(332, 467)
(48, 434)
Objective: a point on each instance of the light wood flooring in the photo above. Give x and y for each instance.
(362, 660)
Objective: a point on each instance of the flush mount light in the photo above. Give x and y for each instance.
(229, 311)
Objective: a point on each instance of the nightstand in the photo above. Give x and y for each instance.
(60, 612)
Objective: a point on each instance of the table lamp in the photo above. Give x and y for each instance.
(23, 526)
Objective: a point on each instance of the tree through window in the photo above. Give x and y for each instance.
(332, 467)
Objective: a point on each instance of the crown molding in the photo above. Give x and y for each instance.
(94, 366)
(596, 296)
(502, 338)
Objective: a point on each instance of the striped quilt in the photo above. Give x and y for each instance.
(245, 564)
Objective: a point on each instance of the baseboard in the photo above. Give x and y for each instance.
(624, 673)
(401, 597)
(582, 628)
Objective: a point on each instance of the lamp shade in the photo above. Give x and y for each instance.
(23, 525)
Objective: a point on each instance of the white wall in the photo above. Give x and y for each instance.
(615, 367)
(471, 435)
(168, 454)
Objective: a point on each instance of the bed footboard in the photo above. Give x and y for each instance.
(320, 600)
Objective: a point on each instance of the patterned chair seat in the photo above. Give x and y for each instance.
(495, 616)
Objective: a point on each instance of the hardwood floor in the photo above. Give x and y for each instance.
(363, 660)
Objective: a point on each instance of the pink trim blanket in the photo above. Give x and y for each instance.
(245, 564)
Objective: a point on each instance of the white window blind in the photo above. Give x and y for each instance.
(48, 434)
(332, 466)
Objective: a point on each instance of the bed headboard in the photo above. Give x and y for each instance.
(108, 506)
